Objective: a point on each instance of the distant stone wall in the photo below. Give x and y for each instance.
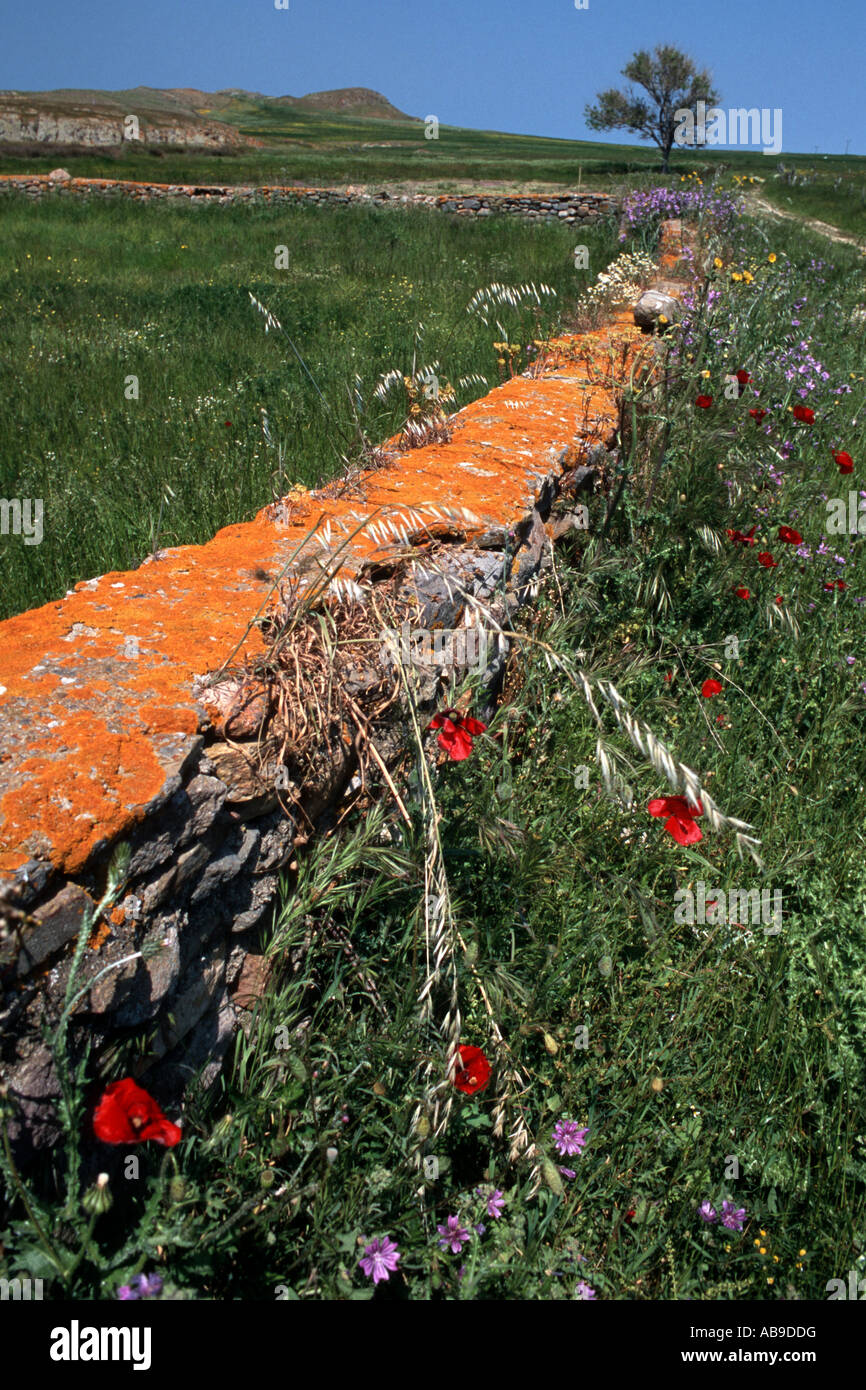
(563, 207)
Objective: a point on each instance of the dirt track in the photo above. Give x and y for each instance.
(826, 229)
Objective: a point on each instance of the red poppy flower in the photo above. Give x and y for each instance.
(836, 584)
(802, 412)
(757, 415)
(630, 1214)
(787, 533)
(766, 559)
(473, 1071)
(711, 688)
(126, 1114)
(779, 598)
(704, 402)
(743, 377)
(228, 424)
(669, 676)
(458, 731)
(739, 538)
(742, 592)
(845, 462)
(681, 814)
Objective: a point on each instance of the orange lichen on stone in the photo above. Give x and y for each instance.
(12, 860)
(102, 694)
(102, 932)
(96, 785)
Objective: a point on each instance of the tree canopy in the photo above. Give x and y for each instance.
(673, 83)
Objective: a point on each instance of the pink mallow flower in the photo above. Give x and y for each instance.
(733, 1218)
(380, 1259)
(568, 1138)
(495, 1203)
(453, 1235)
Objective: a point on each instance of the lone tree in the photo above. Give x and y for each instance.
(674, 84)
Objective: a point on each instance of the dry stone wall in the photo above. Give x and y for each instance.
(566, 207)
(113, 728)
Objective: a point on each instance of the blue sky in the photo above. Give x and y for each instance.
(519, 65)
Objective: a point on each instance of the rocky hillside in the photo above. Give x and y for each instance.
(101, 118)
(165, 116)
(349, 101)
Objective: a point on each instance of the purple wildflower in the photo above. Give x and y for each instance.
(453, 1235)
(568, 1138)
(708, 1212)
(126, 1292)
(568, 1172)
(380, 1259)
(149, 1285)
(495, 1203)
(733, 1218)
(584, 1291)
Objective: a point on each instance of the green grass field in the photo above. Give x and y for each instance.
(835, 196)
(94, 295)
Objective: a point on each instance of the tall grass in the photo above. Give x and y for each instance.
(836, 196)
(93, 295)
